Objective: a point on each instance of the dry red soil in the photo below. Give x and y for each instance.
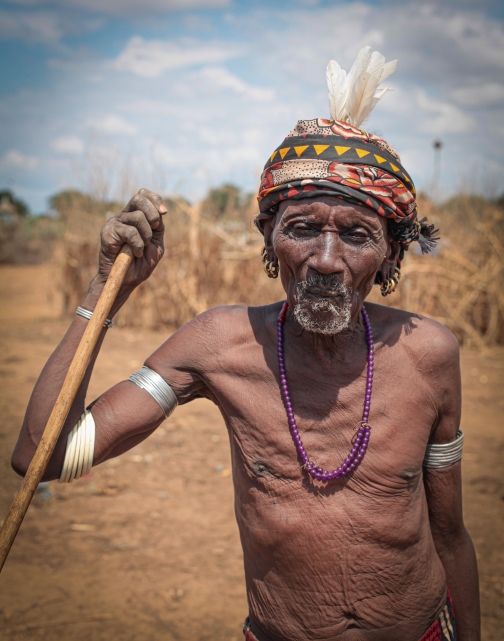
(147, 546)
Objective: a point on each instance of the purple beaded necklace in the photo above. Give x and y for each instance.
(362, 438)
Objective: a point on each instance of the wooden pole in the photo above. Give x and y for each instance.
(66, 397)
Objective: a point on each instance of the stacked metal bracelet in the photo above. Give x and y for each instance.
(445, 454)
(150, 381)
(86, 313)
(79, 450)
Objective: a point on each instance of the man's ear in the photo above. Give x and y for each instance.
(393, 252)
(265, 223)
(389, 261)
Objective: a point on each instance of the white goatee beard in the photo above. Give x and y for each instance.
(337, 313)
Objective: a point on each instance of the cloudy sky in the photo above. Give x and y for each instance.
(180, 95)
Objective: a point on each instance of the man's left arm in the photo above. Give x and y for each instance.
(444, 496)
(454, 547)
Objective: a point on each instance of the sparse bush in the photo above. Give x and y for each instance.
(213, 257)
(25, 238)
(461, 283)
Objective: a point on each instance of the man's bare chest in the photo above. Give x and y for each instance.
(327, 405)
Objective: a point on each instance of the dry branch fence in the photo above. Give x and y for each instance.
(211, 261)
(461, 285)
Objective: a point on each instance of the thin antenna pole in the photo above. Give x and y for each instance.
(437, 145)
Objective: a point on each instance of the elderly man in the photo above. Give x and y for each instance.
(343, 417)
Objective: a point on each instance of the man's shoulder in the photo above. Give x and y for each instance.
(421, 337)
(233, 324)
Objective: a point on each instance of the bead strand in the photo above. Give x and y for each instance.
(360, 445)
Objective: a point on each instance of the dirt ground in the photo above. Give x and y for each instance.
(147, 547)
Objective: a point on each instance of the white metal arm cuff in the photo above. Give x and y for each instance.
(446, 454)
(79, 450)
(157, 387)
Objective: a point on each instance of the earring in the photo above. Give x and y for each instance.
(270, 267)
(389, 285)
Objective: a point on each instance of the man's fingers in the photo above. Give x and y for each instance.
(138, 220)
(139, 224)
(132, 237)
(158, 232)
(116, 234)
(143, 204)
(155, 199)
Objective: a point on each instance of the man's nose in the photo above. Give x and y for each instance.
(328, 255)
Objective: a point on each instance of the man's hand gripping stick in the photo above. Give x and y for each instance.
(71, 384)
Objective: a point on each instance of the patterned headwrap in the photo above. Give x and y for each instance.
(331, 158)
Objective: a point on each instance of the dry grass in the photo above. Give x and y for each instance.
(28, 240)
(215, 259)
(209, 260)
(461, 285)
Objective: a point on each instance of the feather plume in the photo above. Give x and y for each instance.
(352, 97)
(336, 83)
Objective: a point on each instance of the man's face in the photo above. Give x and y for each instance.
(329, 253)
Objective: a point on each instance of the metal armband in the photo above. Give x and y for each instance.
(79, 452)
(150, 381)
(88, 315)
(444, 455)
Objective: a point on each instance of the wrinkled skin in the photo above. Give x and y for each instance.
(362, 558)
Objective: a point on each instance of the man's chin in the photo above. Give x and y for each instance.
(323, 321)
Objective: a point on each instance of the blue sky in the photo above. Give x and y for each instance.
(181, 95)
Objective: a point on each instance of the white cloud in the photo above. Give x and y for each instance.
(81, 62)
(128, 7)
(214, 79)
(41, 26)
(170, 111)
(485, 95)
(168, 156)
(433, 43)
(67, 145)
(147, 106)
(111, 125)
(14, 159)
(478, 37)
(210, 115)
(446, 117)
(150, 58)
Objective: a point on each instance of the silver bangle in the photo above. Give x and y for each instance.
(445, 454)
(79, 450)
(157, 387)
(86, 313)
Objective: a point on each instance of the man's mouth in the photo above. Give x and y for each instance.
(323, 305)
(323, 292)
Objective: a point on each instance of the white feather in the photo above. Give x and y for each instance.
(336, 85)
(357, 79)
(352, 97)
(371, 82)
(388, 69)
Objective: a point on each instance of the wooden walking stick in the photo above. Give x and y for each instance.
(63, 403)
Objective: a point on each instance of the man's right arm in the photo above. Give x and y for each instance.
(126, 414)
(140, 225)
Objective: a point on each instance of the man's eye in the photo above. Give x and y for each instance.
(358, 234)
(302, 228)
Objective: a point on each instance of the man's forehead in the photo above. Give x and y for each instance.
(326, 206)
